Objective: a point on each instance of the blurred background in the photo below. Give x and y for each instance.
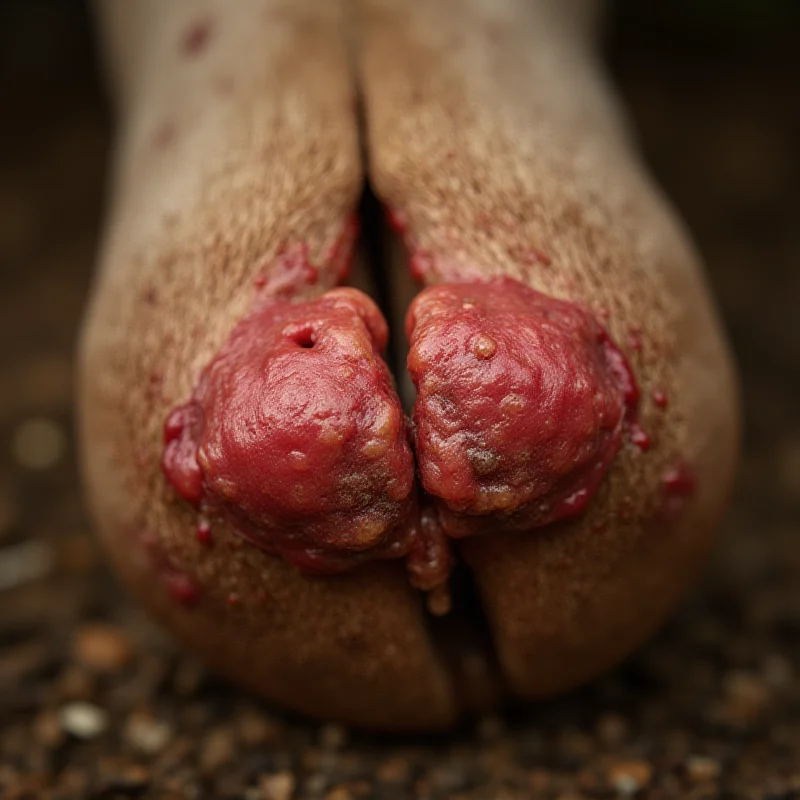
(96, 703)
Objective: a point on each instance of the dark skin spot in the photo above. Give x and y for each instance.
(164, 136)
(196, 38)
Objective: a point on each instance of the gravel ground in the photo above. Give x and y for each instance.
(96, 703)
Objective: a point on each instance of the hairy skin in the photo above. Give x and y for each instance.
(500, 152)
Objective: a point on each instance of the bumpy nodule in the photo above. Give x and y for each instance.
(521, 404)
(295, 434)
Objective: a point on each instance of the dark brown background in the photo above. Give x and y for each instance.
(709, 709)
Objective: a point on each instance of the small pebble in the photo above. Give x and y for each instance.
(74, 782)
(47, 729)
(102, 648)
(591, 781)
(630, 777)
(23, 563)
(575, 744)
(131, 780)
(75, 683)
(83, 720)
(449, 776)
(361, 788)
(332, 737)
(393, 770)
(188, 678)
(255, 729)
(278, 786)
(39, 443)
(316, 784)
(702, 768)
(777, 672)
(315, 760)
(612, 729)
(490, 728)
(539, 781)
(217, 750)
(147, 734)
(20, 661)
(746, 697)
(339, 793)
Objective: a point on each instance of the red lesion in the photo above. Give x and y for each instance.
(290, 274)
(295, 435)
(678, 486)
(430, 560)
(536, 256)
(420, 265)
(179, 586)
(396, 220)
(521, 407)
(660, 398)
